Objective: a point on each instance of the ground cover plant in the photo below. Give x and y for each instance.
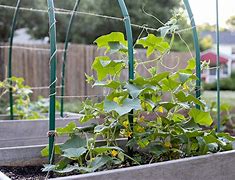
(24, 107)
(156, 115)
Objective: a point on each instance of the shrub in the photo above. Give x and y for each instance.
(225, 84)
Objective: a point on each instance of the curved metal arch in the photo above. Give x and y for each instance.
(128, 29)
(197, 50)
(51, 14)
(65, 57)
(53, 49)
(13, 26)
(218, 66)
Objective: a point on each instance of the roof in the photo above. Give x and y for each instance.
(226, 37)
(212, 57)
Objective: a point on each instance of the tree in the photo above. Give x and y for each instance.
(231, 23)
(25, 19)
(86, 28)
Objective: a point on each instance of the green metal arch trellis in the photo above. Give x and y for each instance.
(197, 49)
(52, 21)
(13, 26)
(129, 39)
(65, 57)
(52, 32)
(128, 29)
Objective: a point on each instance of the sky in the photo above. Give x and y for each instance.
(204, 11)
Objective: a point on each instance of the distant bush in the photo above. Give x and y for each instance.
(225, 84)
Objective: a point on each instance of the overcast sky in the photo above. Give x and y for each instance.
(204, 10)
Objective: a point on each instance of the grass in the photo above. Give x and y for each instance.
(227, 97)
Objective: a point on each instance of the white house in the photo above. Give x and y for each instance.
(227, 55)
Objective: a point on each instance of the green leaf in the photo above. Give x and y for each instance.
(86, 118)
(68, 129)
(117, 47)
(226, 135)
(114, 41)
(188, 98)
(203, 148)
(112, 84)
(70, 168)
(135, 90)
(201, 117)
(103, 149)
(48, 167)
(74, 152)
(98, 162)
(167, 105)
(124, 108)
(191, 64)
(100, 128)
(159, 77)
(157, 150)
(45, 151)
(104, 66)
(169, 84)
(178, 117)
(152, 43)
(74, 142)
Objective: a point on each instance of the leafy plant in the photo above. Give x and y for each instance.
(166, 125)
(23, 107)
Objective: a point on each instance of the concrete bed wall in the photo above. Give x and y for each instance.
(31, 132)
(219, 166)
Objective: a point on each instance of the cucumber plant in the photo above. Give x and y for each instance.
(166, 123)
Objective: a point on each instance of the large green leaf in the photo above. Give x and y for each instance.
(167, 105)
(127, 105)
(45, 151)
(182, 97)
(74, 152)
(112, 84)
(114, 41)
(100, 128)
(152, 43)
(98, 162)
(71, 168)
(74, 142)
(68, 129)
(135, 90)
(201, 117)
(169, 84)
(105, 66)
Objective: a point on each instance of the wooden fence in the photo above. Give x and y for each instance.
(32, 63)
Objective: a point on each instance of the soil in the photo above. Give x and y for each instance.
(30, 173)
(24, 173)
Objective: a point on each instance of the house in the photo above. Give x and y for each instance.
(227, 55)
(210, 75)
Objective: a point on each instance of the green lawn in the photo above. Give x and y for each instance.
(226, 97)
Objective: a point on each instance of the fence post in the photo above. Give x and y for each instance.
(53, 79)
(13, 26)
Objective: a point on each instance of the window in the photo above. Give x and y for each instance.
(233, 50)
(225, 69)
(213, 71)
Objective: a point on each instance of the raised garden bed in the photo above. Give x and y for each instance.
(217, 166)
(30, 132)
